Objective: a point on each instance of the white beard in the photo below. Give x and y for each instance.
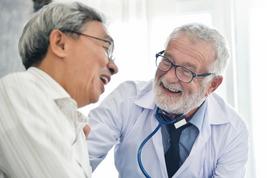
(180, 104)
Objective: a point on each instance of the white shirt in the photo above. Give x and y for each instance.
(40, 129)
(127, 116)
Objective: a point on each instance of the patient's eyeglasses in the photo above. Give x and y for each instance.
(109, 49)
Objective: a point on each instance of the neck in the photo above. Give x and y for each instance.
(188, 115)
(53, 69)
(191, 113)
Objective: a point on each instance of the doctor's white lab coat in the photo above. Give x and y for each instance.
(126, 117)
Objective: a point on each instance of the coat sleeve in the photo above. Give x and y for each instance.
(110, 121)
(106, 126)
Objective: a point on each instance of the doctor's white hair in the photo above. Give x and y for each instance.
(197, 31)
(34, 41)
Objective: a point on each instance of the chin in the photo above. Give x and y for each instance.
(96, 96)
(170, 104)
(94, 100)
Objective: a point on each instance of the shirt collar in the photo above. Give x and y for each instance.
(198, 117)
(63, 100)
(52, 87)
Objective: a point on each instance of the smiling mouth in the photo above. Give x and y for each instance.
(105, 79)
(171, 89)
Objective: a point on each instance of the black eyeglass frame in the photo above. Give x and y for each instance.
(194, 75)
(110, 42)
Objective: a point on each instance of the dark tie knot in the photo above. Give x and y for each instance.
(175, 133)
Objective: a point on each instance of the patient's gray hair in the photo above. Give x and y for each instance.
(34, 41)
(197, 31)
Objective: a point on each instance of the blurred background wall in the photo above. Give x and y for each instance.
(13, 14)
(140, 28)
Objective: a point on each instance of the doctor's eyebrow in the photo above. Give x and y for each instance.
(186, 64)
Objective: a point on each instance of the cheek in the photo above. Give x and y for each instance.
(85, 74)
(198, 87)
(91, 75)
(190, 88)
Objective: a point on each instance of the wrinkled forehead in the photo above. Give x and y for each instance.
(195, 48)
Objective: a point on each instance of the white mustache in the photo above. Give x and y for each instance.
(171, 86)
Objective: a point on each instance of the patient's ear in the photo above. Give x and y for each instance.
(214, 84)
(57, 43)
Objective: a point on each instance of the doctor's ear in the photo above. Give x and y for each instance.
(57, 43)
(214, 84)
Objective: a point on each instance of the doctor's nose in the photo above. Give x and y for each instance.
(170, 75)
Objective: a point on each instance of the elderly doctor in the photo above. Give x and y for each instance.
(174, 126)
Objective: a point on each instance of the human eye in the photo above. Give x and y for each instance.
(185, 72)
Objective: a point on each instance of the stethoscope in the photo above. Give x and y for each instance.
(162, 118)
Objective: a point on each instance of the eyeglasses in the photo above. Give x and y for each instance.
(109, 49)
(182, 73)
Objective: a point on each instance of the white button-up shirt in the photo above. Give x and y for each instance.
(41, 132)
(127, 116)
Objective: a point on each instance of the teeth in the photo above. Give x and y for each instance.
(172, 88)
(104, 79)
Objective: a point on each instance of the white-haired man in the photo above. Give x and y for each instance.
(174, 126)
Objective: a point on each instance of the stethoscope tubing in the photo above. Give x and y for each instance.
(162, 122)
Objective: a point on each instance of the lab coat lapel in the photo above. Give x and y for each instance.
(158, 145)
(197, 148)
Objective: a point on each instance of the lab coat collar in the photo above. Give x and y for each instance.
(145, 96)
(216, 113)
